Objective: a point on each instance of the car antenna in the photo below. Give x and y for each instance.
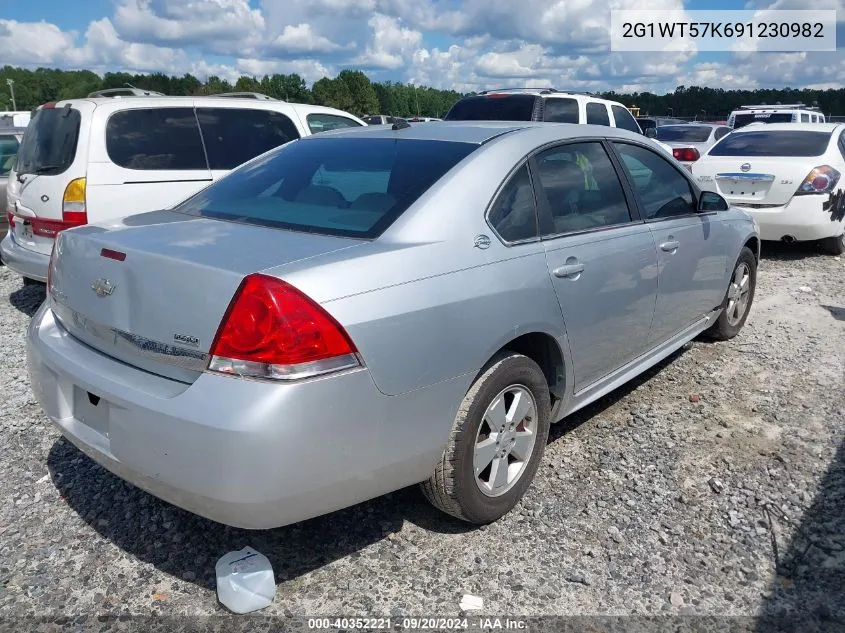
(400, 124)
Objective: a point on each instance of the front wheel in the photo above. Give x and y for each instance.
(496, 443)
(738, 299)
(833, 245)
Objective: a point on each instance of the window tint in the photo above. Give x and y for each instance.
(663, 190)
(742, 120)
(493, 107)
(772, 143)
(321, 122)
(561, 111)
(8, 151)
(646, 123)
(373, 120)
(155, 139)
(720, 132)
(49, 144)
(684, 133)
(624, 119)
(597, 114)
(233, 136)
(805, 118)
(335, 186)
(582, 188)
(513, 215)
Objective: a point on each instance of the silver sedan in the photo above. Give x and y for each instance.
(363, 310)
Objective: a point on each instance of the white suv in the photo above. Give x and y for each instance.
(789, 113)
(97, 159)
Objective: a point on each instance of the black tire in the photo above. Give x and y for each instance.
(725, 326)
(453, 488)
(833, 245)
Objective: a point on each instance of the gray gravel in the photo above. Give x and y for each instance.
(713, 485)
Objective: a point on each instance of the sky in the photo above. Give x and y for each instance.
(465, 45)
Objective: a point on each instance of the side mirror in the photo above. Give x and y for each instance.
(651, 132)
(711, 201)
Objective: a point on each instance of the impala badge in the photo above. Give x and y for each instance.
(103, 287)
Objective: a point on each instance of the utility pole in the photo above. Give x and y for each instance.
(11, 83)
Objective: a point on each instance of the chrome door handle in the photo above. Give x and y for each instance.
(569, 270)
(670, 247)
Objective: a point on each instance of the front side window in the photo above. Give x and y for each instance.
(625, 120)
(354, 187)
(581, 187)
(232, 136)
(663, 191)
(597, 114)
(155, 139)
(513, 215)
(321, 122)
(8, 151)
(561, 111)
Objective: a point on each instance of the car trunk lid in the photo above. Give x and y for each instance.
(151, 290)
(756, 181)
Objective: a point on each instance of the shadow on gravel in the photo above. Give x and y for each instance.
(790, 252)
(28, 298)
(838, 313)
(809, 591)
(187, 546)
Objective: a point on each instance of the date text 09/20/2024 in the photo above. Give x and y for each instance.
(419, 624)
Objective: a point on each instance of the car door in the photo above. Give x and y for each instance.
(600, 255)
(691, 245)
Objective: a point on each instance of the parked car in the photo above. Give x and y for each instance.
(10, 140)
(648, 123)
(308, 332)
(14, 119)
(91, 160)
(381, 119)
(779, 113)
(544, 104)
(690, 140)
(787, 176)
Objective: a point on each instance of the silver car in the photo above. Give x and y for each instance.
(690, 141)
(10, 140)
(363, 310)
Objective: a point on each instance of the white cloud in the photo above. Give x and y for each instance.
(30, 43)
(302, 39)
(391, 45)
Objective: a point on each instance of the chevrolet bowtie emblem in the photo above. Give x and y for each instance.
(103, 287)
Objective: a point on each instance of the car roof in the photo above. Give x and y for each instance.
(476, 132)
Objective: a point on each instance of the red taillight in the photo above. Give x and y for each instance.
(822, 179)
(11, 218)
(51, 228)
(686, 154)
(272, 330)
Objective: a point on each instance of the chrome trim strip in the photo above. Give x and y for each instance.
(742, 176)
(76, 323)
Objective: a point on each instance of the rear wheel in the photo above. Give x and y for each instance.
(738, 298)
(833, 245)
(496, 443)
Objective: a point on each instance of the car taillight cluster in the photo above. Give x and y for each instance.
(686, 154)
(822, 179)
(74, 212)
(272, 330)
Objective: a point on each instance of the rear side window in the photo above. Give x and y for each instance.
(494, 107)
(353, 187)
(321, 122)
(625, 119)
(561, 111)
(720, 132)
(597, 114)
(49, 143)
(772, 143)
(8, 151)
(233, 136)
(513, 215)
(155, 139)
(805, 118)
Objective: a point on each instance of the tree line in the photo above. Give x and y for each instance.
(354, 92)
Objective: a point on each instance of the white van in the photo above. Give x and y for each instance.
(90, 160)
(779, 113)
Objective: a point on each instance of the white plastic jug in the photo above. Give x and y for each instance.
(245, 581)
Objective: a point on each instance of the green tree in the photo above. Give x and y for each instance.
(364, 97)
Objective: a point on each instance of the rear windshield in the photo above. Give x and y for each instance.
(772, 143)
(8, 150)
(354, 187)
(495, 107)
(49, 143)
(763, 117)
(684, 133)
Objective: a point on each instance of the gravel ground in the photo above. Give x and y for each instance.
(715, 484)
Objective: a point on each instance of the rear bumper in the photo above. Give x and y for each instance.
(246, 453)
(23, 261)
(803, 219)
